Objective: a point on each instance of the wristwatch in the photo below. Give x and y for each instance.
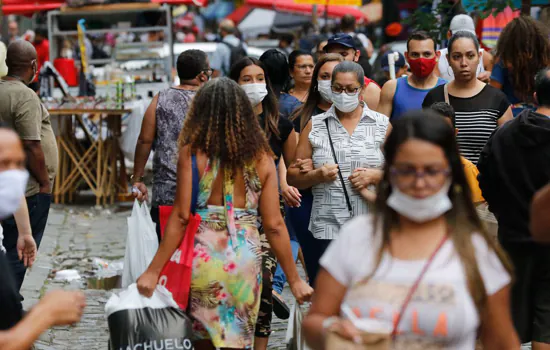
(134, 179)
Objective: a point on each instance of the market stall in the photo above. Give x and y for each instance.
(96, 159)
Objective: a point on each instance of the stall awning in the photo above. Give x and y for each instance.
(26, 7)
(334, 11)
(200, 3)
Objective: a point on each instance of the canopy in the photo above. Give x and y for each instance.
(28, 7)
(334, 11)
(255, 21)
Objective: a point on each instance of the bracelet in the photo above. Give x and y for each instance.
(328, 322)
(134, 179)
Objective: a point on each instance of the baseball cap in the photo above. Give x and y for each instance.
(399, 63)
(342, 40)
(462, 23)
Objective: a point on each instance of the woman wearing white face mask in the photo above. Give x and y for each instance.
(252, 76)
(423, 265)
(337, 156)
(319, 100)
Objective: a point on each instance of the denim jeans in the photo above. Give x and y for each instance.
(39, 208)
(312, 248)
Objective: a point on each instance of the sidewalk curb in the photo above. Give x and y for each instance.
(38, 274)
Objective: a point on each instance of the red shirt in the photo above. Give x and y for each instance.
(42, 54)
(368, 81)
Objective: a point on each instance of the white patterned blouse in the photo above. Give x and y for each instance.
(362, 149)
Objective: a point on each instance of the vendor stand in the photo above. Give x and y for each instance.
(96, 160)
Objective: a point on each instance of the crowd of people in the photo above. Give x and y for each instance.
(377, 190)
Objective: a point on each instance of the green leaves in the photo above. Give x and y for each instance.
(429, 19)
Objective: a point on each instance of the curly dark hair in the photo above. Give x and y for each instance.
(523, 45)
(222, 124)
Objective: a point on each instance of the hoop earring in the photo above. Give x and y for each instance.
(451, 73)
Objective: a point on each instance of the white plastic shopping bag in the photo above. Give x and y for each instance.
(294, 338)
(141, 243)
(138, 322)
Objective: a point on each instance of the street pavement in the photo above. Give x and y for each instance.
(74, 236)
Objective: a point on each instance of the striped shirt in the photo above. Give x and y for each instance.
(360, 150)
(476, 117)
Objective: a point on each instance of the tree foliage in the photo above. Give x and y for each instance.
(436, 20)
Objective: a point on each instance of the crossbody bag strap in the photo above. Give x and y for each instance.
(446, 93)
(414, 287)
(348, 202)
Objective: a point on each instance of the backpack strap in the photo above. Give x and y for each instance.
(226, 70)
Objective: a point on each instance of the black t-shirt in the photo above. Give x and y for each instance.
(297, 121)
(476, 117)
(277, 143)
(10, 303)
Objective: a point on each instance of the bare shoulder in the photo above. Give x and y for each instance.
(372, 87)
(264, 166)
(389, 86)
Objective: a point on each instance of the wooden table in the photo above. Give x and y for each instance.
(94, 161)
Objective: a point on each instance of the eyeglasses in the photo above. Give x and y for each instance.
(350, 91)
(407, 177)
(208, 71)
(305, 67)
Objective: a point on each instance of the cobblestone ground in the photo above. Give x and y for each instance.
(74, 236)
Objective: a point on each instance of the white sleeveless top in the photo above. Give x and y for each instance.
(445, 70)
(360, 150)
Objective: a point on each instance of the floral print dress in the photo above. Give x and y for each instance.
(227, 264)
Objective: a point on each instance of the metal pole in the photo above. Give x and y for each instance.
(314, 16)
(526, 7)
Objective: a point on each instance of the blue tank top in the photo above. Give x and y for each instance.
(409, 98)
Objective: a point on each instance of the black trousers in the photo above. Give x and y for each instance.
(530, 294)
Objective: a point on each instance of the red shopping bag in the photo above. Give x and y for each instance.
(176, 274)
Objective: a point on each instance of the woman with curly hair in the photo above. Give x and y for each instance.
(522, 51)
(238, 181)
(254, 79)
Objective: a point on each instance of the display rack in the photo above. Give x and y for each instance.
(117, 18)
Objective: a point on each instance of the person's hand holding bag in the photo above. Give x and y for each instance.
(301, 290)
(147, 283)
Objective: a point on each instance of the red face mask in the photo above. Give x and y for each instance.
(422, 67)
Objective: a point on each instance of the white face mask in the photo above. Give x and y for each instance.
(345, 103)
(255, 92)
(325, 90)
(421, 210)
(13, 184)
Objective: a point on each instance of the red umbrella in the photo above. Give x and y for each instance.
(334, 11)
(240, 13)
